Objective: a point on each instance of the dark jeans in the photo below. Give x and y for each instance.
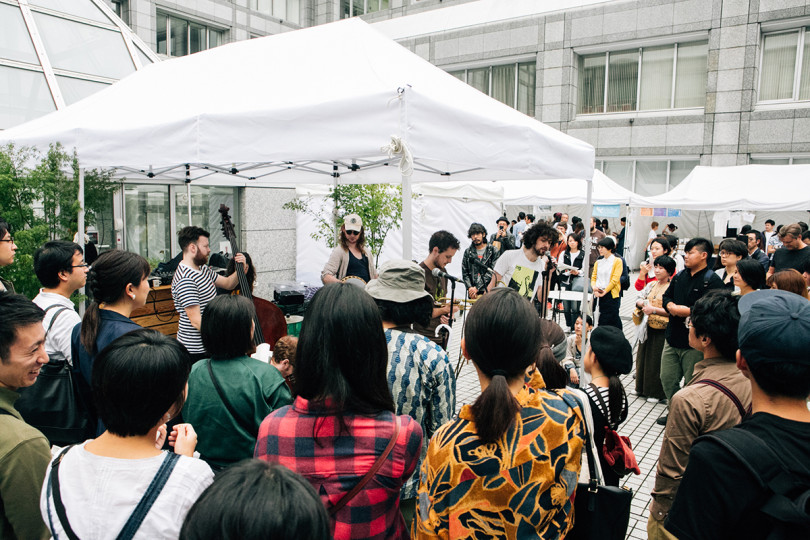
(609, 311)
(571, 308)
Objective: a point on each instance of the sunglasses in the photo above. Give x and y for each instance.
(353, 232)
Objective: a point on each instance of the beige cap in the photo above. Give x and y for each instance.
(352, 222)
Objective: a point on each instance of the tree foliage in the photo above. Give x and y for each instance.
(39, 198)
(378, 205)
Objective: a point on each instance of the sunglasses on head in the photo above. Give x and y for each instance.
(353, 232)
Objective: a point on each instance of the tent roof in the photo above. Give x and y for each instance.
(564, 191)
(289, 107)
(745, 187)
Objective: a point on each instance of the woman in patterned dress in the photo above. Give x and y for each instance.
(508, 466)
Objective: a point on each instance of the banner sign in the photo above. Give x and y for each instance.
(606, 210)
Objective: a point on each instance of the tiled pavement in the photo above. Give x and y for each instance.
(640, 425)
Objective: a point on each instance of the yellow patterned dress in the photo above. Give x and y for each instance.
(519, 487)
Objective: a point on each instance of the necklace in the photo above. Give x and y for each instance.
(600, 377)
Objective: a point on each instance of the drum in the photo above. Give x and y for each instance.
(294, 325)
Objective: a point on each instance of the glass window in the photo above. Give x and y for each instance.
(105, 225)
(280, 9)
(145, 60)
(83, 48)
(205, 203)
(74, 90)
(656, 78)
(121, 8)
(678, 170)
(264, 6)
(345, 9)
(162, 25)
(769, 161)
(690, 81)
(479, 79)
(526, 87)
(24, 95)
(15, 42)
(778, 66)
(651, 177)
(197, 37)
(86, 10)
(592, 84)
(620, 172)
(146, 210)
(804, 86)
(801, 161)
(179, 36)
(503, 84)
(215, 38)
(460, 75)
(622, 81)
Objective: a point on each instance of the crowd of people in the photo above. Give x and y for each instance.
(350, 431)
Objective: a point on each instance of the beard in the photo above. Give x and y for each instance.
(539, 252)
(477, 241)
(200, 259)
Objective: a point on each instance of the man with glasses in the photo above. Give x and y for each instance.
(753, 238)
(7, 250)
(793, 253)
(61, 271)
(678, 358)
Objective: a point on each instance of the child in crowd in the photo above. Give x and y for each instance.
(283, 359)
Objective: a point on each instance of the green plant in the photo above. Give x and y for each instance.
(29, 179)
(379, 206)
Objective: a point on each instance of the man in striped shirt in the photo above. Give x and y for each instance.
(194, 286)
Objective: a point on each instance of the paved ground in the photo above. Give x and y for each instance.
(640, 425)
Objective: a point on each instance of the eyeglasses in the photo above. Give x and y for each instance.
(10, 240)
(353, 232)
(688, 322)
(83, 265)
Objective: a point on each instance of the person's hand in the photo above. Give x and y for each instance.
(160, 438)
(648, 309)
(240, 258)
(444, 319)
(644, 269)
(472, 292)
(574, 376)
(574, 272)
(599, 293)
(183, 439)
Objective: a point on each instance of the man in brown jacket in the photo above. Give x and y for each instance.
(717, 397)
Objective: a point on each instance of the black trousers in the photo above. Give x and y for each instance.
(609, 311)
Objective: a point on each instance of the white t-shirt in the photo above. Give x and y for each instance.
(57, 342)
(100, 493)
(520, 273)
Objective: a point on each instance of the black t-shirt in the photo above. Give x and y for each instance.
(684, 290)
(358, 267)
(784, 258)
(718, 498)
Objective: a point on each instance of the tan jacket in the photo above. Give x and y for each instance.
(338, 263)
(696, 409)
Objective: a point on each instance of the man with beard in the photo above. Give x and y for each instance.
(478, 261)
(522, 269)
(442, 245)
(194, 286)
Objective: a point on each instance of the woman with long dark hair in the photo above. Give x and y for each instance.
(491, 472)
(750, 276)
(231, 393)
(573, 280)
(342, 420)
(117, 285)
(646, 275)
(350, 257)
(610, 355)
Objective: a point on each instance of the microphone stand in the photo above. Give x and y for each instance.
(446, 338)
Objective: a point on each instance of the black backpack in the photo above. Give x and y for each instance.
(624, 281)
(788, 503)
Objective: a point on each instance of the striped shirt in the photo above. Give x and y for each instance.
(190, 288)
(423, 385)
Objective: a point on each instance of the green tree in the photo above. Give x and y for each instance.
(379, 206)
(27, 178)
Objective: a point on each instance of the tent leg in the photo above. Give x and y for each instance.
(585, 306)
(188, 198)
(80, 227)
(407, 218)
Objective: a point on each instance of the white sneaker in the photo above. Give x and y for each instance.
(652, 400)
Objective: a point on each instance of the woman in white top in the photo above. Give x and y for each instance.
(606, 284)
(121, 485)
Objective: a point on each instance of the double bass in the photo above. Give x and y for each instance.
(269, 320)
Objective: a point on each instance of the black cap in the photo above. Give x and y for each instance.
(612, 350)
(502, 218)
(774, 327)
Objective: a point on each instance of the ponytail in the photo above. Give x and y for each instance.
(616, 400)
(89, 328)
(495, 410)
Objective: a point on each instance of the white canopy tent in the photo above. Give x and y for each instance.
(564, 191)
(332, 103)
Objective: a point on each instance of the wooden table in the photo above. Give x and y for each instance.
(158, 313)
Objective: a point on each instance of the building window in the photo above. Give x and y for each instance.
(512, 84)
(785, 73)
(805, 160)
(179, 37)
(351, 8)
(647, 177)
(121, 8)
(643, 79)
(285, 10)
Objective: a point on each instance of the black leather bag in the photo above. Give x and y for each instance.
(600, 512)
(53, 404)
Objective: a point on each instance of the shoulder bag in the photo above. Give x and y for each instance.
(252, 430)
(135, 519)
(53, 404)
(600, 512)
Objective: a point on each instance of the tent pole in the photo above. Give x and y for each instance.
(585, 306)
(80, 228)
(188, 199)
(407, 218)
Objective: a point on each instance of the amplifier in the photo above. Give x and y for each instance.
(288, 298)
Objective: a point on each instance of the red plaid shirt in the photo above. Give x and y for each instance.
(306, 438)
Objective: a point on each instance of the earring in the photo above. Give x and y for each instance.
(132, 296)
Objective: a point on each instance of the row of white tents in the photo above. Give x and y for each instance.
(340, 103)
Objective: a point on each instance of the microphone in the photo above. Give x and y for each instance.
(439, 273)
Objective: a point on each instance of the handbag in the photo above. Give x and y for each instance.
(600, 512)
(53, 404)
(617, 449)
